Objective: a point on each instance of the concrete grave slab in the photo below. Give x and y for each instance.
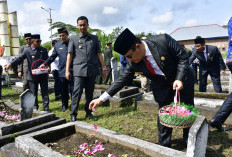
(198, 138)
(32, 144)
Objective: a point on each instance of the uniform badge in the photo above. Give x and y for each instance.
(33, 57)
(162, 58)
(79, 47)
(139, 73)
(61, 48)
(79, 41)
(230, 52)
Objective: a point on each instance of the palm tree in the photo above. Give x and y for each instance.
(71, 29)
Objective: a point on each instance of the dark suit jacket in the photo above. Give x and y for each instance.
(107, 56)
(32, 54)
(170, 57)
(85, 59)
(214, 61)
(60, 50)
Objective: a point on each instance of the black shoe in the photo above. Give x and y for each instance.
(57, 97)
(73, 118)
(35, 108)
(91, 116)
(216, 125)
(47, 109)
(64, 108)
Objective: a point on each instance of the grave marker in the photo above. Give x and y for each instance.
(27, 101)
(114, 66)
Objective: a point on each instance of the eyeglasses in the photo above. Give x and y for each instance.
(38, 41)
(130, 55)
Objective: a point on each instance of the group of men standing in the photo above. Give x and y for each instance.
(78, 56)
(160, 58)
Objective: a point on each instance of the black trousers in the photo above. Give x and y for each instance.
(163, 93)
(67, 87)
(57, 86)
(194, 66)
(79, 84)
(215, 77)
(25, 81)
(108, 77)
(224, 111)
(41, 80)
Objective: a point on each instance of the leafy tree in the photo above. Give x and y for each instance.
(47, 45)
(116, 31)
(71, 29)
(22, 40)
(104, 39)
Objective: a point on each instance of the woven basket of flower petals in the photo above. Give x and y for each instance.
(177, 115)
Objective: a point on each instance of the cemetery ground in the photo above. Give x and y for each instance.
(131, 122)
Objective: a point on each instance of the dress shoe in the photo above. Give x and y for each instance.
(47, 109)
(64, 108)
(91, 116)
(216, 125)
(35, 108)
(57, 97)
(73, 118)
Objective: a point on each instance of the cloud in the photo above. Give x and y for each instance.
(191, 22)
(33, 19)
(163, 19)
(183, 5)
(109, 10)
(100, 13)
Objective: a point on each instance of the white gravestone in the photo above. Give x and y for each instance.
(114, 66)
(27, 101)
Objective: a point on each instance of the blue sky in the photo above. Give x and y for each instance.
(138, 15)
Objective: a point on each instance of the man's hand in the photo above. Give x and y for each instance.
(7, 67)
(68, 75)
(223, 72)
(94, 104)
(19, 74)
(178, 84)
(104, 74)
(42, 66)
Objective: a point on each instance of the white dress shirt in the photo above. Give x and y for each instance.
(55, 64)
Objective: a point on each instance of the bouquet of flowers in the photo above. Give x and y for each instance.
(177, 115)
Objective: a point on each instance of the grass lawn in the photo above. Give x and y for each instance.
(133, 123)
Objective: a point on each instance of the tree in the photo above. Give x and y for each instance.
(116, 31)
(47, 45)
(71, 29)
(104, 39)
(22, 40)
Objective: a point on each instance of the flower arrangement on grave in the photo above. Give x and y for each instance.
(178, 115)
(4, 114)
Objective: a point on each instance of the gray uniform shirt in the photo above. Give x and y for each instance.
(24, 66)
(85, 59)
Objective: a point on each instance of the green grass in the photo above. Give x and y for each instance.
(224, 55)
(133, 123)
